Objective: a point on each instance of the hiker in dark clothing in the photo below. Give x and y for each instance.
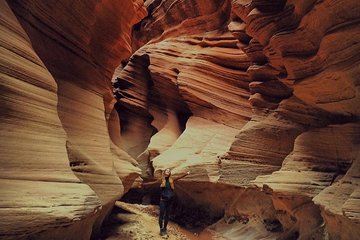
(166, 197)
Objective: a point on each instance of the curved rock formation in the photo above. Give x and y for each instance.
(258, 99)
(199, 74)
(56, 114)
(35, 173)
(309, 51)
(298, 72)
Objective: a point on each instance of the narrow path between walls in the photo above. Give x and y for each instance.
(140, 222)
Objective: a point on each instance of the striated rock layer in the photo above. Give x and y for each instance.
(312, 59)
(35, 172)
(179, 74)
(61, 170)
(259, 100)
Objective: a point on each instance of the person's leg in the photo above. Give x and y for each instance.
(162, 206)
(167, 213)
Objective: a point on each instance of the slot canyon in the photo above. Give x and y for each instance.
(258, 99)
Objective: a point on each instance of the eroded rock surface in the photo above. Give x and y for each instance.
(277, 83)
(258, 99)
(61, 170)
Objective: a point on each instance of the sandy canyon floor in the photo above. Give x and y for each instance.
(140, 222)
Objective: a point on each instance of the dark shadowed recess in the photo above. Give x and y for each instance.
(190, 216)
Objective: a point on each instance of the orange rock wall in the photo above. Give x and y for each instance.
(269, 91)
(60, 166)
(258, 99)
(313, 47)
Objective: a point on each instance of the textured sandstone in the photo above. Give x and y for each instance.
(258, 99)
(38, 189)
(61, 170)
(296, 65)
(303, 45)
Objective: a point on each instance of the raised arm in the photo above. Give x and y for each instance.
(182, 176)
(157, 181)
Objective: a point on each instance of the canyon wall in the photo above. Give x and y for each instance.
(260, 101)
(61, 165)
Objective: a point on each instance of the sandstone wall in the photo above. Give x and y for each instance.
(270, 95)
(258, 99)
(61, 170)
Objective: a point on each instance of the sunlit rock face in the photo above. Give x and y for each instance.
(36, 180)
(187, 86)
(310, 48)
(258, 98)
(61, 165)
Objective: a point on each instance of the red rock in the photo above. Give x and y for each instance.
(61, 167)
(274, 89)
(258, 99)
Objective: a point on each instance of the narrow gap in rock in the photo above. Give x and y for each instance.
(188, 216)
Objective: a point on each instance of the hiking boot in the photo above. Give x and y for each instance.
(162, 232)
(165, 234)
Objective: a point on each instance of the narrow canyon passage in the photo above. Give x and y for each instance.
(258, 100)
(134, 221)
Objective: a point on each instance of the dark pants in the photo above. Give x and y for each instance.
(165, 207)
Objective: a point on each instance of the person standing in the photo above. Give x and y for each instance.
(166, 197)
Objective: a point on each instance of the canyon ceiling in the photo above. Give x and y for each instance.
(260, 100)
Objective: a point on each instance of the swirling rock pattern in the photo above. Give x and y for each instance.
(304, 46)
(258, 99)
(294, 65)
(178, 74)
(61, 170)
(37, 183)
